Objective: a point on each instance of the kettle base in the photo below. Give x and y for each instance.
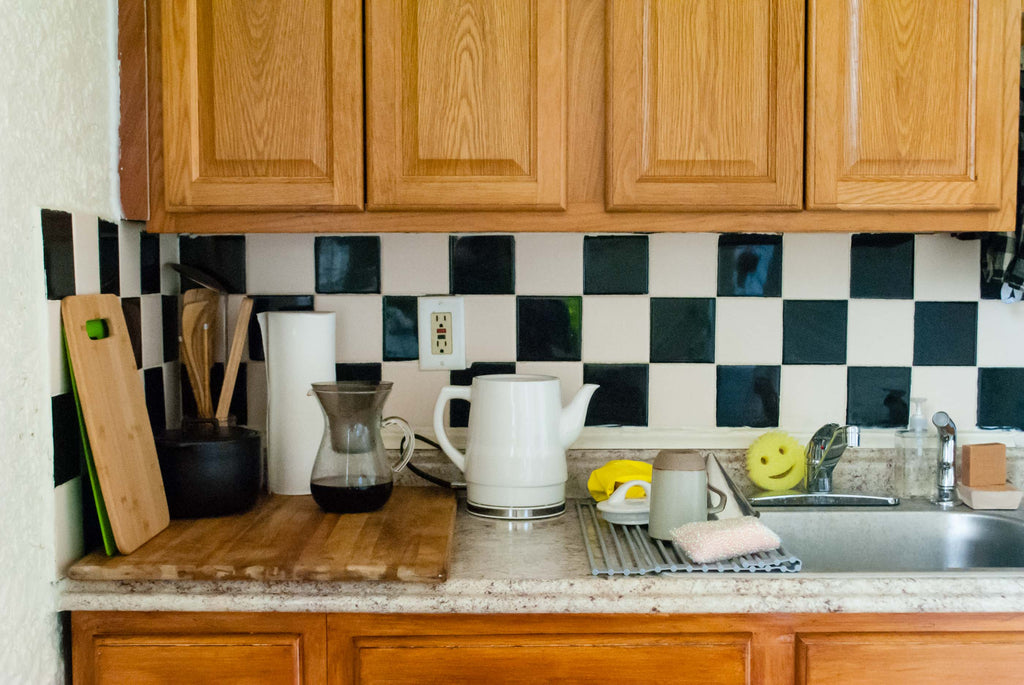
(516, 513)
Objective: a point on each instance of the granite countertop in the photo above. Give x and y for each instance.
(542, 567)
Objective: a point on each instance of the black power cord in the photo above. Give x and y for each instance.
(427, 476)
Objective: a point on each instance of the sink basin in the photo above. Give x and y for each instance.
(914, 536)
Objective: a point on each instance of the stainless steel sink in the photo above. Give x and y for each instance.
(914, 536)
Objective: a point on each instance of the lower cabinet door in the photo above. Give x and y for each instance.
(912, 658)
(169, 649)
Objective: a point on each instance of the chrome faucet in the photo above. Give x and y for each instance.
(821, 456)
(823, 452)
(945, 480)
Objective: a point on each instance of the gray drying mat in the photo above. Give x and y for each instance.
(627, 550)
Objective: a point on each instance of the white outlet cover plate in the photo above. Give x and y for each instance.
(426, 306)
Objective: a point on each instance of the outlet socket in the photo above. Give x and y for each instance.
(442, 333)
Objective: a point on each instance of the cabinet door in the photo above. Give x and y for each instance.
(905, 107)
(262, 104)
(466, 104)
(909, 658)
(168, 649)
(705, 104)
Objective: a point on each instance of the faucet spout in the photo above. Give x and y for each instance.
(945, 481)
(823, 453)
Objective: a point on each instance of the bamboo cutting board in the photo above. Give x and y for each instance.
(114, 410)
(288, 537)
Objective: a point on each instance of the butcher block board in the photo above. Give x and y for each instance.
(288, 537)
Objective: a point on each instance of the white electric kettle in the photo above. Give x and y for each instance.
(515, 451)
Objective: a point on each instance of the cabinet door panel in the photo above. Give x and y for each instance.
(466, 104)
(905, 104)
(705, 104)
(909, 658)
(262, 104)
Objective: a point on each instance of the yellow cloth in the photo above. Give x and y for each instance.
(603, 481)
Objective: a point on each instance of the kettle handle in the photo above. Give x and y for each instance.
(448, 393)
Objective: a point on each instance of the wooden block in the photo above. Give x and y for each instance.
(983, 464)
(1003, 496)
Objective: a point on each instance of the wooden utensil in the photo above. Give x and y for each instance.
(227, 388)
(114, 410)
(191, 322)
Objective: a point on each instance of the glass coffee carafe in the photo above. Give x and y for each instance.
(351, 473)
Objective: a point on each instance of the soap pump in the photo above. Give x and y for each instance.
(912, 443)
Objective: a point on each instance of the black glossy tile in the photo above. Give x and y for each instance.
(67, 439)
(747, 396)
(682, 329)
(347, 264)
(110, 261)
(171, 325)
(272, 303)
(622, 398)
(221, 256)
(58, 254)
(1000, 400)
(549, 328)
(357, 372)
(401, 341)
(149, 263)
(750, 265)
(132, 308)
(481, 264)
(945, 333)
(615, 265)
(882, 266)
(153, 383)
(459, 409)
(814, 331)
(877, 396)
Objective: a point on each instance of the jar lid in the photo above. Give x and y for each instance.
(679, 460)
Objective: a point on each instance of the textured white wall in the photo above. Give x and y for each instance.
(58, 149)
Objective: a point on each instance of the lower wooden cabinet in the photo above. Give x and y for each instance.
(727, 649)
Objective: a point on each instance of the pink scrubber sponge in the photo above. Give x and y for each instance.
(708, 541)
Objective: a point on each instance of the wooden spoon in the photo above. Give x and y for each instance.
(191, 322)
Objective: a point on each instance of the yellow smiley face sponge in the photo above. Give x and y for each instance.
(776, 461)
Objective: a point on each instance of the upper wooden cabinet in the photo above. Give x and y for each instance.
(466, 104)
(262, 104)
(905, 104)
(705, 104)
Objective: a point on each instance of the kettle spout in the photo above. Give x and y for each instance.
(573, 415)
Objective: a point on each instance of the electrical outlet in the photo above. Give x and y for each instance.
(442, 333)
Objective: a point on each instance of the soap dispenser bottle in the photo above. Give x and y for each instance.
(911, 445)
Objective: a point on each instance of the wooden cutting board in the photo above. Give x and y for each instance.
(288, 537)
(116, 420)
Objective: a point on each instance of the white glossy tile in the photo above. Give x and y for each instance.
(490, 328)
(60, 381)
(128, 258)
(748, 330)
(170, 284)
(952, 389)
(1000, 333)
(151, 313)
(414, 393)
(549, 263)
(683, 264)
(414, 264)
(946, 269)
(616, 328)
(86, 240)
(816, 266)
(569, 375)
(682, 396)
(279, 264)
(69, 539)
(811, 396)
(880, 333)
(359, 326)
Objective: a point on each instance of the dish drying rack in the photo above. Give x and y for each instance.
(614, 549)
